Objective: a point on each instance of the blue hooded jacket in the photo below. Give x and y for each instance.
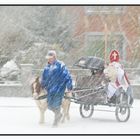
(55, 79)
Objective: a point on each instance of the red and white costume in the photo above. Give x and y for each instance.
(121, 77)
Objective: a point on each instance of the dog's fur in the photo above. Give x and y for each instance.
(37, 91)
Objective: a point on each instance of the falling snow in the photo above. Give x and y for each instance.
(28, 32)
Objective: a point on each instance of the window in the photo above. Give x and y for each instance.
(104, 9)
(95, 44)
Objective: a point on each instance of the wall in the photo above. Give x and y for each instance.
(23, 88)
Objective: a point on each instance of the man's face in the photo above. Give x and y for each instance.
(51, 59)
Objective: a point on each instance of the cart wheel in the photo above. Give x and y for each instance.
(122, 113)
(86, 111)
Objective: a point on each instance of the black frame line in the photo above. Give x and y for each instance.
(55, 129)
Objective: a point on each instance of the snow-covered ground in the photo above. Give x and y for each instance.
(21, 116)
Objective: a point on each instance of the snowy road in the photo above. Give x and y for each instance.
(21, 116)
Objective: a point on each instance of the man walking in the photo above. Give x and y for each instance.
(55, 79)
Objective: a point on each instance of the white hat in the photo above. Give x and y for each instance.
(50, 54)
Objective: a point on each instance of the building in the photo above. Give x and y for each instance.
(103, 28)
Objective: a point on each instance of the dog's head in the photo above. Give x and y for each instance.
(36, 88)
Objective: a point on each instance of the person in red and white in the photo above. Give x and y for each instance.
(120, 77)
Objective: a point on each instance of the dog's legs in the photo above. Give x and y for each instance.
(41, 116)
(64, 111)
(68, 109)
(68, 106)
(42, 108)
(64, 116)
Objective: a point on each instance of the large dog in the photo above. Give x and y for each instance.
(37, 91)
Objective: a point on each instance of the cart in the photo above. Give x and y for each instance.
(90, 91)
